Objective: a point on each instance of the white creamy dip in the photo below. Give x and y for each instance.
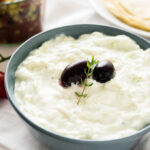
(117, 108)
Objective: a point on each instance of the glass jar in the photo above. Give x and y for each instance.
(20, 19)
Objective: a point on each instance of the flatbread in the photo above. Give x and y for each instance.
(140, 8)
(131, 12)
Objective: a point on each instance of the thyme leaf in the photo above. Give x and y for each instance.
(88, 72)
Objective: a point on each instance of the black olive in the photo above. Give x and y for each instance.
(73, 73)
(103, 71)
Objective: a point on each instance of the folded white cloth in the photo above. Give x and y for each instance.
(13, 132)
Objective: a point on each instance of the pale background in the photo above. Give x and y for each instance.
(13, 133)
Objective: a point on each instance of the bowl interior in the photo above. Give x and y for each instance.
(34, 42)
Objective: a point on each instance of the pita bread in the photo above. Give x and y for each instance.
(131, 12)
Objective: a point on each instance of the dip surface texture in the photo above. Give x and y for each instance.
(117, 108)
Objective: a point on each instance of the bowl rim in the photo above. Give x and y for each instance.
(50, 133)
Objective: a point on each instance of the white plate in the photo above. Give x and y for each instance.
(101, 10)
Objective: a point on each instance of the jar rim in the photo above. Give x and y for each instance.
(9, 3)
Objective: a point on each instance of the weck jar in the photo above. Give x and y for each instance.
(20, 19)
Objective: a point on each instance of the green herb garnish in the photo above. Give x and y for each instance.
(85, 84)
(2, 58)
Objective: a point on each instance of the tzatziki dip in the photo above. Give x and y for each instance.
(101, 110)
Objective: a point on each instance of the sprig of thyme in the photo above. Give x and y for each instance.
(2, 58)
(88, 72)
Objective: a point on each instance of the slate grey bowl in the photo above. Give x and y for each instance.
(54, 141)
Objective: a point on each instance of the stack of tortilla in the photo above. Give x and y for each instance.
(133, 12)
